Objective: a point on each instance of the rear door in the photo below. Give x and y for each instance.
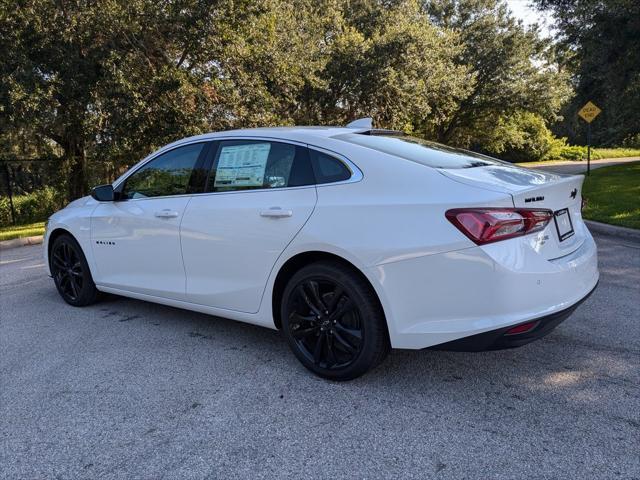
(259, 195)
(136, 240)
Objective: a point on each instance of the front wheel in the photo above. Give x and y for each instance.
(333, 321)
(71, 273)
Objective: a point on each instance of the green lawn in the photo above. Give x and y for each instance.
(18, 231)
(616, 152)
(613, 195)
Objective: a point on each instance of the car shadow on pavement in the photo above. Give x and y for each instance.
(559, 364)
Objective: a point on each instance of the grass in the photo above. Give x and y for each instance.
(616, 152)
(19, 231)
(613, 195)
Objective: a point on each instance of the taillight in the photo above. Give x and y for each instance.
(486, 225)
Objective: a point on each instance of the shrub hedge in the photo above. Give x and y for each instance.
(33, 207)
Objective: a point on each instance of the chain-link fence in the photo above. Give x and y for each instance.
(29, 190)
(32, 189)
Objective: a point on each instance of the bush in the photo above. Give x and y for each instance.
(33, 207)
(523, 137)
(562, 151)
(575, 152)
(632, 141)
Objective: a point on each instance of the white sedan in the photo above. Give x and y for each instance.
(350, 240)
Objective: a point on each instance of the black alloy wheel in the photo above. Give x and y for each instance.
(325, 323)
(333, 321)
(71, 273)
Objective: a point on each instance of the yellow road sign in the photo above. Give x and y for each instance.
(589, 112)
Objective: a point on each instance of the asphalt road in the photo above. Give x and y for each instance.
(126, 389)
(577, 168)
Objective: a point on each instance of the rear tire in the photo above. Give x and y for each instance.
(71, 273)
(333, 321)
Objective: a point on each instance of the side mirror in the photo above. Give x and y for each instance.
(103, 193)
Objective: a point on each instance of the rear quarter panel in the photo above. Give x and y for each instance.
(395, 212)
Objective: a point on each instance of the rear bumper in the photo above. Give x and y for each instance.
(441, 298)
(500, 339)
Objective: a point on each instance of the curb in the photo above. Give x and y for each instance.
(20, 242)
(614, 231)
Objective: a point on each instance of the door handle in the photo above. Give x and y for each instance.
(276, 212)
(166, 213)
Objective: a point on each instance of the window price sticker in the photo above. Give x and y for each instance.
(242, 165)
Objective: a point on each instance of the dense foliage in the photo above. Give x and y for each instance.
(32, 207)
(95, 86)
(599, 44)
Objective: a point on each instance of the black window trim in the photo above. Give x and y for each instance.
(210, 150)
(119, 184)
(356, 173)
(214, 153)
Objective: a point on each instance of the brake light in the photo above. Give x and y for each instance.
(487, 225)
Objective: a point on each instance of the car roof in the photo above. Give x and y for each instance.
(287, 132)
(300, 133)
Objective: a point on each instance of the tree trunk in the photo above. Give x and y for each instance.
(77, 182)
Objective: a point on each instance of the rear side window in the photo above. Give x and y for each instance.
(328, 169)
(258, 164)
(421, 151)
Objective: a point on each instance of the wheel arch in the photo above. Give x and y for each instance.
(58, 232)
(300, 260)
(55, 233)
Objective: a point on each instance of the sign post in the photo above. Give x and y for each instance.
(588, 113)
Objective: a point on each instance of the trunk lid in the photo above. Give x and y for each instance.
(536, 189)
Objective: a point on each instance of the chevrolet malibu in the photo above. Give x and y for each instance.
(350, 240)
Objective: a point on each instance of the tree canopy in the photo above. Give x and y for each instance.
(599, 43)
(98, 85)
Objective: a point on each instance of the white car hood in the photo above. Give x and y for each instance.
(81, 202)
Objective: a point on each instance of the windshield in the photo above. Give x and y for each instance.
(421, 151)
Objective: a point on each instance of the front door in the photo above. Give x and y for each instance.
(136, 240)
(261, 193)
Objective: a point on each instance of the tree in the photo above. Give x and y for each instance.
(387, 60)
(331, 61)
(600, 41)
(514, 70)
(97, 85)
(110, 80)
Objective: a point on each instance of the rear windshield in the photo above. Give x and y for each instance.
(421, 151)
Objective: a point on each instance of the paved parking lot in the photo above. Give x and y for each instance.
(579, 168)
(126, 389)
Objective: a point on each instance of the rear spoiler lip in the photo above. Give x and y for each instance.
(366, 124)
(384, 131)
